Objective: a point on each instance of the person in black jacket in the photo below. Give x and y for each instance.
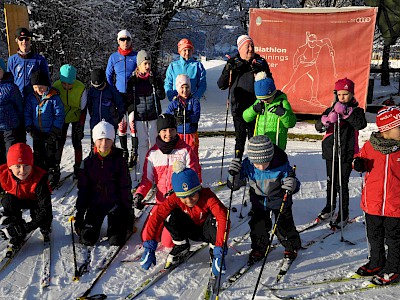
(238, 76)
(352, 119)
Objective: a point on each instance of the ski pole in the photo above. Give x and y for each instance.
(243, 202)
(226, 124)
(334, 151)
(277, 131)
(340, 180)
(76, 272)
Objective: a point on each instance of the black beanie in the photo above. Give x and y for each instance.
(40, 78)
(97, 77)
(165, 121)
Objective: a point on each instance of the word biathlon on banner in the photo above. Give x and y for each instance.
(308, 50)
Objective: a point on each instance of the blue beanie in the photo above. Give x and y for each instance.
(185, 181)
(3, 65)
(264, 87)
(68, 74)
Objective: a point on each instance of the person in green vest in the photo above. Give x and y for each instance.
(272, 111)
(74, 97)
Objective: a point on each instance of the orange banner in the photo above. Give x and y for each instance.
(308, 50)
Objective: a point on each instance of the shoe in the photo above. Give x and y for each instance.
(365, 270)
(385, 278)
(338, 223)
(290, 254)
(326, 213)
(178, 253)
(46, 235)
(132, 159)
(255, 256)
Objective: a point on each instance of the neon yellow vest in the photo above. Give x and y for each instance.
(71, 100)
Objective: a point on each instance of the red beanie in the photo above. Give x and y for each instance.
(388, 118)
(183, 44)
(19, 154)
(345, 84)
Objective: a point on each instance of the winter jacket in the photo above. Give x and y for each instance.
(103, 183)
(22, 69)
(44, 112)
(242, 84)
(192, 68)
(122, 67)
(266, 184)
(381, 192)
(349, 128)
(158, 168)
(34, 188)
(141, 98)
(74, 100)
(208, 204)
(267, 122)
(11, 104)
(105, 104)
(190, 109)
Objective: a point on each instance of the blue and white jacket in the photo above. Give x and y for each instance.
(11, 104)
(122, 67)
(190, 109)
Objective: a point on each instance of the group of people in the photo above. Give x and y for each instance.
(165, 153)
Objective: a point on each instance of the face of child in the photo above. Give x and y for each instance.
(344, 96)
(186, 53)
(246, 52)
(40, 89)
(184, 91)
(67, 86)
(145, 67)
(392, 134)
(21, 171)
(167, 134)
(103, 145)
(191, 201)
(261, 167)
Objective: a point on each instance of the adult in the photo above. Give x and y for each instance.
(120, 66)
(238, 76)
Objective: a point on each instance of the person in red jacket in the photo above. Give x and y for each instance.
(192, 212)
(380, 199)
(26, 186)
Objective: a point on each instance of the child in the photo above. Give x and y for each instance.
(189, 66)
(104, 189)
(186, 110)
(157, 167)
(144, 93)
(352, 119)
(192, 213)
(11, 112)
(74, 97)
(26, 186)
(380, 199)
(270, 176)
(272, 111)
(44, 119)
(104, 101)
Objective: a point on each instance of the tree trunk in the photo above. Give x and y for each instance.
(385, 79)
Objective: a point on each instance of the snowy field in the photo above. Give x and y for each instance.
(326, 259)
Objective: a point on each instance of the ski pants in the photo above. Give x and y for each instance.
(147, 135)
(76, 142)
(243, 130)
(7, 139)
(46, 155)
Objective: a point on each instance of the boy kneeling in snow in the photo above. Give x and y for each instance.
(192, 212)
(270, 177)
(26, 186)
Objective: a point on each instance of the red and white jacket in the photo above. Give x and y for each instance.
(381, 192)
(208, 203)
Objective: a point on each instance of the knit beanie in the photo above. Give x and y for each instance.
(388, 118)
(345, 84)
(183, 44)
(103, 130)
(264, 87)
(40, 78)
(67, 74)
(142, 56)
(243, 39)
(97, 77)
(182, 79)
(165, 121)
(123, 33)
(3, 65)
(20, 154)
(185, 181)
(260, 149)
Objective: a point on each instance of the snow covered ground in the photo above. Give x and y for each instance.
(328, 259)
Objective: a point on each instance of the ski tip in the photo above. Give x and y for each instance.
(221, 183)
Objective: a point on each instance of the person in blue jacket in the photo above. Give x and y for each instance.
(25, 62)
(121, 65)
(11, 112)
(44, 119)
(189, 66)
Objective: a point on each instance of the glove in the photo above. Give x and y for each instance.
(359, 164)
(331, 118)
(137, 201)
(257, 65)
(235, 166)
(278, 110)
(179, 117)
(216, 263)
(149, 256)
(289, 184)
(79, 131)
(12, 231)
(53, 135)
(233, 63)
(259, 107)
(343, 109)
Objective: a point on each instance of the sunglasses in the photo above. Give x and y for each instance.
(24, 38)
(125, 39)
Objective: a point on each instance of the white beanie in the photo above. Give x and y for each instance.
(123, 33)
(182, 79)
(243, 39)
(103, 130)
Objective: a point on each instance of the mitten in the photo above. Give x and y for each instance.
(137, 201)
(359, 164)
(289, 184)
(331, 118)
(278, 110)
(257, 65)
(216, 263)
(235, 166)
(233, 63)
(343, 110)
(149, 255)
(259, 107)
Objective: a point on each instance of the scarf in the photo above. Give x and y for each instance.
(101, 155)
(144, 76)
(166, 148)
(383, 145)
(124, 52)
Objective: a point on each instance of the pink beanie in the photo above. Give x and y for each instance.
(182, 79)
(345, 84)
